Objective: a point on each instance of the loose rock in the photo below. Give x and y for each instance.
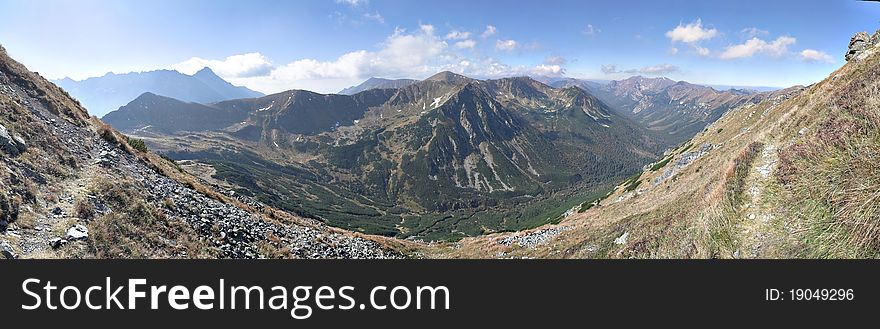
(7, 250)
(77, 232)
(13, 145)
(57, 243)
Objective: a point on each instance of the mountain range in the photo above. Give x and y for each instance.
(74, 187)
(400, 161)
(792, 176)
(377, 83)
(101, 95)
(449, 167)
(675, 109)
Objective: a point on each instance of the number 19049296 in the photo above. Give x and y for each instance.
(810, 294)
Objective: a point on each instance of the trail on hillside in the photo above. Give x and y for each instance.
(58, 213)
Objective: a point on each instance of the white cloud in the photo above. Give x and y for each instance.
(353, 3)
(505, 45)
(747, 49)
(812, 55)
(237, 66)
(403, 54)
(458, 35)
(491, 68)
(779, 47)
(691, 33)
(375, 16)
(702, 51)
(776, 48)
(466, 44)
(490, 31)
(555, 60)
(751, 32)
(548, 70)
(590, 30)
(609, 69)
(672, 50)
(660, 69)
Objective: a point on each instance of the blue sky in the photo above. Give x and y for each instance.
(324, 46)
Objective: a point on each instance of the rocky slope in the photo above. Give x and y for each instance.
(73, 187)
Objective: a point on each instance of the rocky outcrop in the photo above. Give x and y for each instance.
(861, 44)
(7, 251)
(77, 232)
(9, 207)
(11, 144)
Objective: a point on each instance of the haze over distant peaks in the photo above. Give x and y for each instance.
(101, 95)
(377, 83)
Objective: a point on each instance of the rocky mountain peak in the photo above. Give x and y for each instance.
(449, 77)
(206, 72)
(861, 45)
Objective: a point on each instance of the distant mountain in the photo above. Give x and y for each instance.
(168, 115)
(101, 95)
(793, 176)
(675, 109)
(495, 154)
(589, 85)
(377, 83)
(747, 88)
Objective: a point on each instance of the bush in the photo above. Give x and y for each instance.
(661, 164)
(137, 144)
(107, 134)
(84, 209)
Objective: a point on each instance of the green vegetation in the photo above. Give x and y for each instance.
(137, 144)
(721, 231)
(661, 164)
(360, 207)
(593, 202)
(632, 183)
(686, 148)
(831, 177)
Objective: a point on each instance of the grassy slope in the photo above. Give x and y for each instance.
(795, 177)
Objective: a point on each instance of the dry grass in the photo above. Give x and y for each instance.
(832, 176)
(136, 229)
(84, 209)
(726, 213)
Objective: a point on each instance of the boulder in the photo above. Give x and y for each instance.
(7, 251)
(861, 43)
(77, 232)
(57, 243)
(12, 145)
(9, 208)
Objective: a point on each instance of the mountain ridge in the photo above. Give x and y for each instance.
(107, 93)
(781, 178)
(377, 83)
(478, 142)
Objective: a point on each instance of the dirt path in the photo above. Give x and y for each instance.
(57, 213)
(756, 227)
